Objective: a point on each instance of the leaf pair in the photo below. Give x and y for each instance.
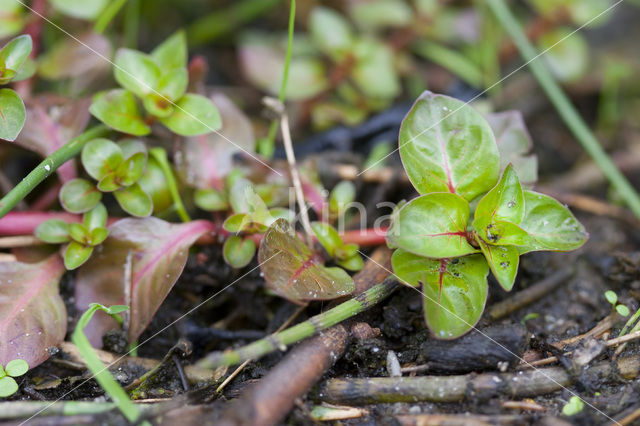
(14, 368)
(345, 255)
(117, 168)
(159, 80)
(81, 237)
(12, 112)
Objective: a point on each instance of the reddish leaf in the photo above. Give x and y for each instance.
(206, 159)
(294, 272)
(33, 317)
(156, 252)
(51, 122)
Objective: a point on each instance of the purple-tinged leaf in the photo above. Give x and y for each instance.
(72, 59)
(294, 272)
(154, 251)
(33, 317)
(51, 122)
(208, 158)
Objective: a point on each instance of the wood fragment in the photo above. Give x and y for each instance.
(528, 405)
(476, 387)
(20, 241)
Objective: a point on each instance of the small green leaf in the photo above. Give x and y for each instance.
(611, 297)
(374, 71)
(171, 53)
(116, 309)
(96, 217)
(505, 201)
(117, 109)
(134, 200)
(76, 254)
(455, 290)
(237, 195)
(157, 105)
(504, 233)
(503, 261)
(173, 83)
(81, 9)
(109, 183)
(341, 196)
(193, 115)
(79, 233)
(550, 225)
(330, 32)
(574, 406)
(98, 235)
(79, 196)
(16, 367)
(101, 157)
(211, 200)
(12, 19)
(53, 231)
(8, 386)
(447, 146)
(328, 237)
(235, 222)
(432, 225)
(623, 310)
(238, 251)
(132, 146)
(566, 53)
(354, 263)
(13, 55)
(132, 168)
(136, 71)
(12, 114)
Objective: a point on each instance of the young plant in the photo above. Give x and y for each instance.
(81, 237)
(159, 82)
(12, 58)
(612, 298)
(14, 368)
(345, 255)
(452, 159)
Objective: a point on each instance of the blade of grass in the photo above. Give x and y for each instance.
(563, 105)
(266, 146)
(48, 166)
(160, 155)
(107, 15)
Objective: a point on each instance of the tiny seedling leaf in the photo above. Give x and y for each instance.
(238, 251)
(16, 367)
(193, 115)
(505, 201)
(117, 109)
(132, 169)
(432, 225)
(623, 310)
(101, 157)
(611, 297)
(13, 55)
(53, 231)
(8, 386)
(96, 217)
(328, 237)
(171, 53)
(134, 200)
(503, 261)
(136, 72)
(76, 254)
(294, 272)
(447, 146)
(330, 32)
(79, 196)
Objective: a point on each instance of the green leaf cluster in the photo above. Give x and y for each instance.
(450, 155)
(345, 255)
(158, 81)
(80, 238)
(14, 368)
(117, 168)
(13, 56)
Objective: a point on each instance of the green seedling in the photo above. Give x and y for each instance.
(341, 196)
(80, 238)
(574, 406)
(97, 368)
(13, 56)
(612, 298)
(117, 169)
(158, 81)
(451, 156)
(345, 255)
(14, 368)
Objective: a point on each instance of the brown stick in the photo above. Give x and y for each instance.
(458, 388)
(269, 400)
(529, 295)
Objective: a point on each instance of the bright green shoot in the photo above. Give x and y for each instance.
(451, 156)
(8, 384)
(97, 368)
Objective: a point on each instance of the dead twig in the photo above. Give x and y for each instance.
(20, 241)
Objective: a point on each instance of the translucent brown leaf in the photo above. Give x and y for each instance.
(206, 159)
(33, 317)
(147, 257)
(294, 272)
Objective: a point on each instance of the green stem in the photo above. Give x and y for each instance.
(266, 146)
(563, 105)
(160, 155)
(48, 166)
(131, 24)
(630, 323)
(301, 331)
(100, 372)
(107, 15)
(221, 22)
